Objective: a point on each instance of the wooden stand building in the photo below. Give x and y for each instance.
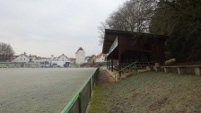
(127, 47)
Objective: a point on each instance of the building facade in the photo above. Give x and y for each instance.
(127, 47)
(100, 57)
(23, 58)
(60, 61)
(80, 56)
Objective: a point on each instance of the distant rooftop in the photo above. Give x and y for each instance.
(79, 50)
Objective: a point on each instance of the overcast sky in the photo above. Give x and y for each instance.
(54, 27)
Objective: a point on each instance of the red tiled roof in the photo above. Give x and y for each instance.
(101, 54)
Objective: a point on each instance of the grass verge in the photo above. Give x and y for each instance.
(149, 92)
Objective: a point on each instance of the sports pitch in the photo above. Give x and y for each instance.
(36, 90)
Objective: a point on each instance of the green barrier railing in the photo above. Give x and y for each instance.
(11, 65)
(126, 69)
(79, 102)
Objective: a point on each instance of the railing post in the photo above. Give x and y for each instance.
(80, 103)
(112, 64)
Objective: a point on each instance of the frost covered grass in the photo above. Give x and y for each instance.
(39, 90)
(149, 92)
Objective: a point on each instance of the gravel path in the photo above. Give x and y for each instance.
(104, 76)
(34, 90)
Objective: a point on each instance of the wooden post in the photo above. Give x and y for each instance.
(167, 69)
(180, 70)
(156, 68)
(112, 64)
(198, 71)
(107, 63)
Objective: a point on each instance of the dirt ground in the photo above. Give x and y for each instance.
(34, 90)
(104, 76)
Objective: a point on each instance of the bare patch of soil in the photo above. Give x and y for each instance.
(158, 104)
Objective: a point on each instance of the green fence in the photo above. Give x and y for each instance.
(130, 67)
(11, 65)
(79, 103)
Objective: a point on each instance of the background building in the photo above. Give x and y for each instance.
(23, 58)
(100, 57)
(80, 56)
(60, 61)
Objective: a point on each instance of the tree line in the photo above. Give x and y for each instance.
(179, 19)
(6, 52)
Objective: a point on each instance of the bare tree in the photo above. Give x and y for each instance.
(134, 15)
(6, 52)
(101, 29)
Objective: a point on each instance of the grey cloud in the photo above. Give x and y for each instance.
(45, 27)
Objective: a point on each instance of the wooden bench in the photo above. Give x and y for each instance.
(180, 69)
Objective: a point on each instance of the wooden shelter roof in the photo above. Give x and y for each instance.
(110, 36)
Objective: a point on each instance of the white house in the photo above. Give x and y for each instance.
(32, 60)
(86, 59)
(61, 61)
(79, 56)
(100, 57)
(23, 58)
(41, 61)
(36, 61)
